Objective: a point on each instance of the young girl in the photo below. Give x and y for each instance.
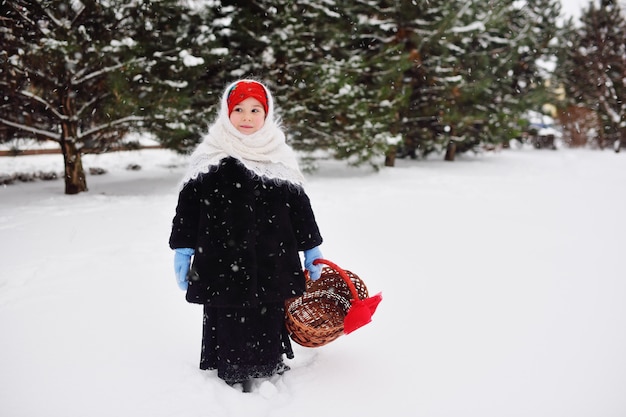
(243, 216)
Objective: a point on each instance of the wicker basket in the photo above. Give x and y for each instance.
(317, 317)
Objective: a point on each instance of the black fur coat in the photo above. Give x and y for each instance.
(246, 231)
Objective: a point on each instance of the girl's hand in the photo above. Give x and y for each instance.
(315, 271)
(182, 262)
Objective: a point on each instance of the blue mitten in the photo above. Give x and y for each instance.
(182, 262)
(315, 271)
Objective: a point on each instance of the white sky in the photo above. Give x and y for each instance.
(573, 7)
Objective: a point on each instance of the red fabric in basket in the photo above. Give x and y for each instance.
(361, 313)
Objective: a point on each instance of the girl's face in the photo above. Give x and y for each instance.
(248, 116)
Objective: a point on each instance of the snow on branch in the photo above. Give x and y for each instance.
(49, 135)
(475, 26)
(77, 80)
(100, 128)
(79, 9)
(54, 20)
(44, 102)
(30, 72)
(88, 105)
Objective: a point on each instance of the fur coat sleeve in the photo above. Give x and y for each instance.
(246, 231)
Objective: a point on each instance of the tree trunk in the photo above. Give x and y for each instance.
(390, 156)
(75, 181)
(450, 151)
(621, 140)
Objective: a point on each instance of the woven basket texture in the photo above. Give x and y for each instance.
(316, 318)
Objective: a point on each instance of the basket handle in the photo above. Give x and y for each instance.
(361, 311)
(342, 273)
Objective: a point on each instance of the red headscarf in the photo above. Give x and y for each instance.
(246, 89)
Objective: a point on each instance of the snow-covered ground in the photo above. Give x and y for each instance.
(502, 274)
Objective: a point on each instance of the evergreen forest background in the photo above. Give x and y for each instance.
(362, 81)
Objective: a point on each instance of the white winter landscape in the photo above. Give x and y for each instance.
(503, 276)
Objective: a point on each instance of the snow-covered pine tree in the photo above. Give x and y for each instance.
(421, 26)
(179, 87)
(333, 69)
(338, 72)
(376, 82)
(349, 76)
(83, 74)
(534, 29)
(355, 80)
(593, 69)
(302, 60)
(480, 61)
(243, 31)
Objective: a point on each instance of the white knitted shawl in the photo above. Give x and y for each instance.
(265, 152)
